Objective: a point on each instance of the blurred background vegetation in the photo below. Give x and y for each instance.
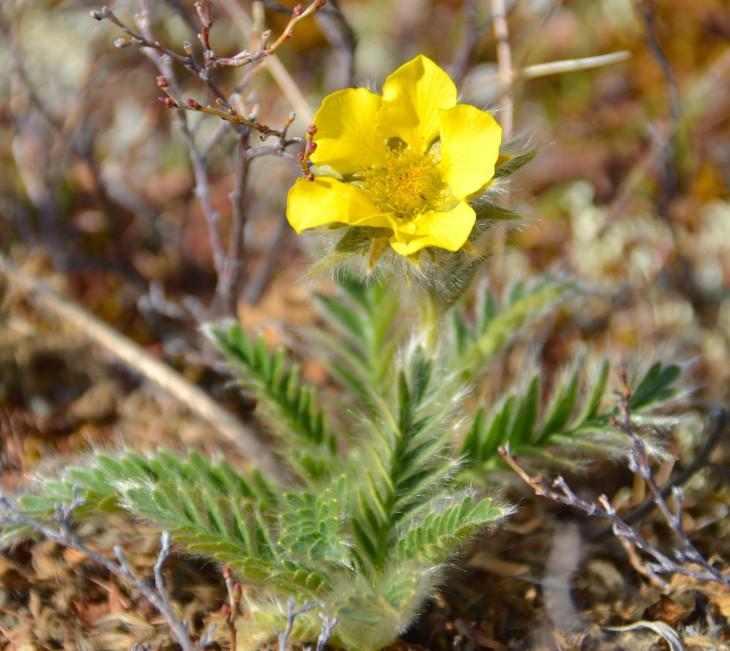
(630, 191)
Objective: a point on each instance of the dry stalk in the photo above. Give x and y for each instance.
(687, 559)
(169, 380)
(227, 258)
(62, 532)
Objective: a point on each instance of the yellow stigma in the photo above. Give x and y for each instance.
(407, 185)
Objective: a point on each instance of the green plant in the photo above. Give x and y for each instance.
(373, 501)
(365, 529)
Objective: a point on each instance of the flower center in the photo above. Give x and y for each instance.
(407, 185)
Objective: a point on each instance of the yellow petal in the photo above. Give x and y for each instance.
(412, 96)
(447, 230)
(346, 137)
(470, 141)
(327, 200)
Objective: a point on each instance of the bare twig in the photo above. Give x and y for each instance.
(560, 492)
(341, 36)
(227, 257)
(630, 538)
(504, 66)
(137, 359)
(717, 428)
(168, 79)
(291, 614)
(506, 118)
(570, 65)
(229, 280)
(61, 531)
(107, 14)
(667, 171)
(257, 283)
(639, 465)
(325, 633)
(234, 602)
(145, 40)
(273, 64)
(244, 57)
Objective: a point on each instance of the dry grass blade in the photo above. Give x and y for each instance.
(137, 359)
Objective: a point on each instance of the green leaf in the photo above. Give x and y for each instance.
(498, 326)
(444, 529)
(561, 409)
(289, 407)
(514, 163)
(578, 419)
(524, 422)
(312, 526)
(658, 385)
(486, 210)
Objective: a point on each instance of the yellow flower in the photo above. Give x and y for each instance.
(405, 162)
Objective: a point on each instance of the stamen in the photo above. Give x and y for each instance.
(407, 185)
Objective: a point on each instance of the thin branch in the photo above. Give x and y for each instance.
(276, 150)
(639, 465)
(234, 602)
(145, 40)
(717, 428)
(468, 42)
(325, 633)
(260, 279)
(245, 57)
(342, 37)
(168, 79)
(291, 615)
(62, 532)
(157, 597)
(227, 259)
(630, 538)
(504, 66)
(272, 63)
(571, 65)
(136, 38)
(229, 281)
(506, 118)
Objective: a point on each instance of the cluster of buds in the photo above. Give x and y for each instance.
(309, 148)
(231, 609)
(167, 101)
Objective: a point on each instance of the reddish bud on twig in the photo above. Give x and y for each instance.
(312, 130)
(318, 4)
(193, 104)
(167, 101)
(162, 82)
(312, 147)
(300, 156)
(298, 10)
